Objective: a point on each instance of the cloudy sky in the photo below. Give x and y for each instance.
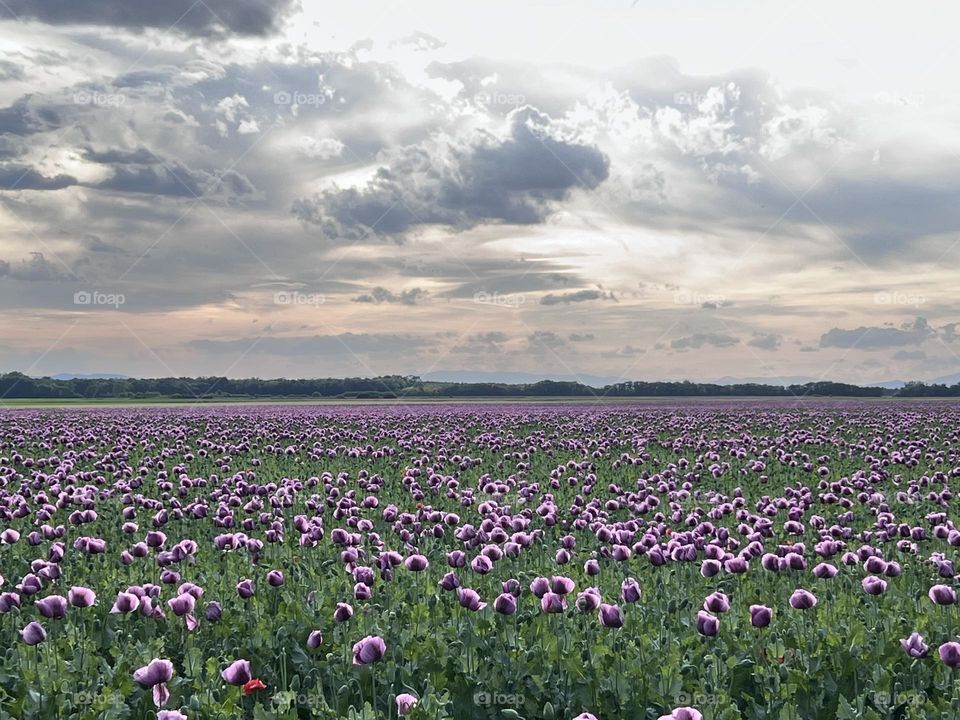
(634, 189)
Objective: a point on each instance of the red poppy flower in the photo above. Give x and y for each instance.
(253, 685)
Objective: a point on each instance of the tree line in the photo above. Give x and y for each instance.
(16, 385)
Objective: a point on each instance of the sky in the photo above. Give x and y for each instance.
(617, 190)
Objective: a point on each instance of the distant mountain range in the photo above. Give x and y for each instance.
(91, 376)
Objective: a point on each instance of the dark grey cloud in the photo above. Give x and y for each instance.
(575, 297)
(117, 156)
(488, 342)
(35, 269)
(461, 184)
(11, 71)
(343, 344)
(580, 337)
(698, 340)
(206, 19)
(176, 180)
(873, 338)
(381, 295)
(910, 355)
(21, 177)
(766, 341)
(28, 116)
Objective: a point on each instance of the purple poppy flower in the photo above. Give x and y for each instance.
(450, 581)
(505, 604)
(155, 672)
(630, 590)
(824, 571)
(683, 713)
(585, 716)
(591, 567)
(470, 599)
(53, 607)
(274, 578)
(314, 639)
(716, 603)
(33, 633)
(540, 586)
(802, 599)
(126, 603)
(481, 565)
(872, 585)
(707, 624)
(362, 592)
(8, 601)
(561, 585)
(369, 650)
(416, 563)
(950, 654)
(588, 600)
(213, 612)
(553, 603)
(942, 595)
(710, 567)
(237, 673)
(914, 646)
(182, 604)
(343, 612)
(245, 589)
(760, 616)
(611, 616)
(405, 703)
(736, 565)
(81, 597)
(170, 715)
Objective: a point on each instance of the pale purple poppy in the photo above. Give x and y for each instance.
(469, 599)
(343, 612)
(683, 713)
(707, 624)
(802, 599)
(760, 616)
(950, 654)
(369, 650)
(274, 578)
(505, 604)
(942, 595)
(630, 590)
(81, 597)
(53, 607)
(314, 639)
(553, 603)
(416, 563)
(914, 646)
(237, 673)
(405, 703)
(872, 585)
(33, 633)
(245, 589)
(611, 616)
(716, 602)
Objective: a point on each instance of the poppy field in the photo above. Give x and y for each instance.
(716, 561)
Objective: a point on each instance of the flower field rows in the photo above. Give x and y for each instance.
(722, 561)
